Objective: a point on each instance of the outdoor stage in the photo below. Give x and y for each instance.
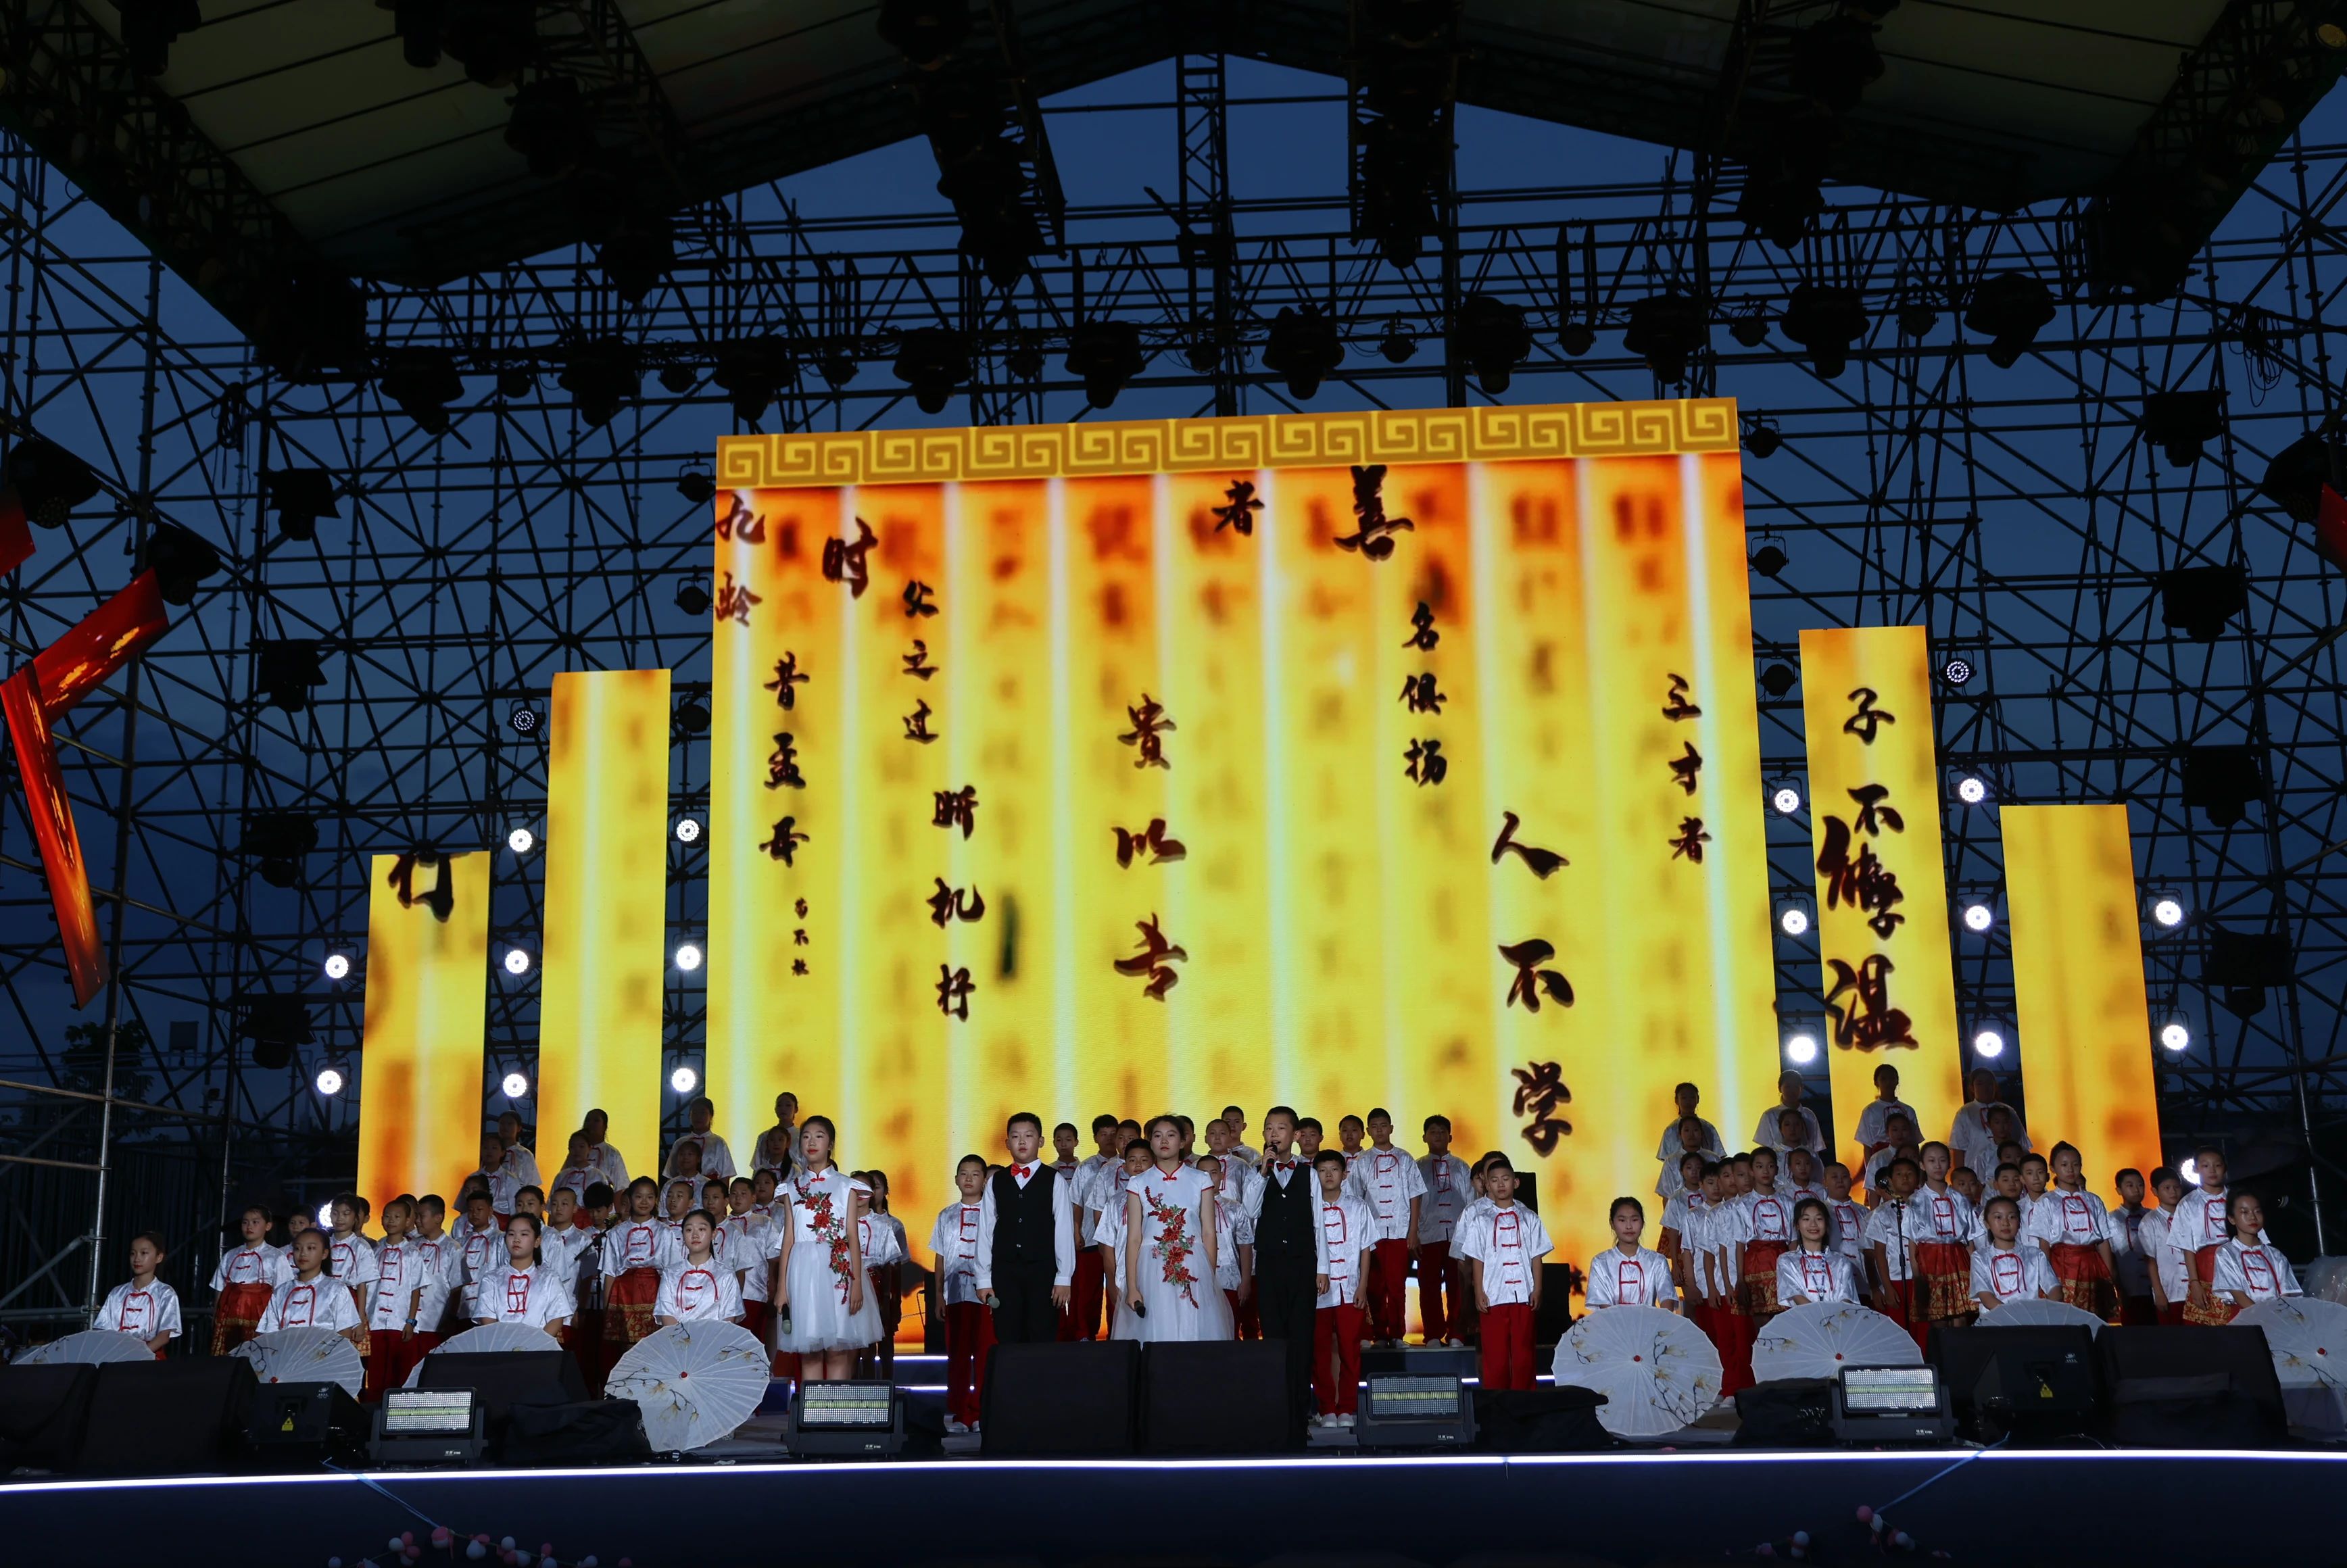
(2079, 1507)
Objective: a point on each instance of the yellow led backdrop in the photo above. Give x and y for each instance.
(2078, 985)
(605, 959)
(1047, 610)
(421, 1095)
(1882, 895)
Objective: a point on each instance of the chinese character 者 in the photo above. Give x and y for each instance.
(1238, 508)
(1690, 840)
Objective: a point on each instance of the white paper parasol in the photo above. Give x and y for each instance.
(487, 1336)
(1821, 1338)
(2024, 1312)
(694, 1382)
(305, 1355)
(2307, 1337)
(90, 1348)
(1657, 1371)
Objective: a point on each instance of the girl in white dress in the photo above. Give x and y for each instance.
(821, 1260)
(1628, 1274)
(524, 1288)
(146, 1307)
(698, 1287)
(1815, 1270)
(1172, 1246)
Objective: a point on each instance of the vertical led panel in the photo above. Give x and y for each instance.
(420, 1071)
(604, 960)
(1889, 986)
(2078, 985)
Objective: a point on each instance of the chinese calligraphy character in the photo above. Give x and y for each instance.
(1540, 1089)
(1684, 768)
(916, 724)
(1239, 508)
(1425, 637)
(799, 938)
(1690, 840)
(1425, 762)
(1676, 706)
(785, 841)
(956, 807)
(1873, 816)
(1861, 881)
(1148, 725)
(1528, 956)
(1374, 538)
(786, 679)
(844, 562)
(1868, 1020)
(1543, 862)
(1155, 959)
(916, 599)
(952, 904)
(798, 966)
(734, 600)
(783, 764)
(917, 663)
(739, 523)
(1152, 840)
(1421, 693)
(954, 986)
(802, 909)
(442, 898)
(1866, 717)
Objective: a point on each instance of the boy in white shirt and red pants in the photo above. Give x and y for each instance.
(1505, 1244)
(1346, 1230)
(969, 1326)
(1448, 1185)
(1389, 1180)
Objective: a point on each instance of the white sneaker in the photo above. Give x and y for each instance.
(1344, 1420)
(955, 1426)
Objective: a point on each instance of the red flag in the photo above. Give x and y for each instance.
(78, 662)
(53, 828)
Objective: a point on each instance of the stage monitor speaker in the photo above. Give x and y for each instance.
(501, 1380)
(1791, 1412)
(427, 1427)
(2179, 1387)
(1053, 1401)
(2063, 1394)
(864, 1419)
(1415, 1410)
(43, 1410)
(588, 1431)
(1214, 1397)
(1552, 1318)
(1561, 1420)
(168, 1417)
(1422, 1361)
(299, 1426)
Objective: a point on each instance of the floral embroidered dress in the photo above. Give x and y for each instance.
(819, 1209)
(1178, 1293)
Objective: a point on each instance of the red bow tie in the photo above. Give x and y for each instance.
(1287, 1164)
(1021, 1170)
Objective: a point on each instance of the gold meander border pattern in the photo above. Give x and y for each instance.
(1257, 440)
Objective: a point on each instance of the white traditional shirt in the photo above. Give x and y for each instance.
(2018, 1274)
(1769, 1135)
(1386, 1180)
(1642, 1280)
(440, 1274)
(479, 1250)
(2168, 1263)
(1086, 1194)
(1063, 1234)
(2198, 1221)
(716, 1158)
(1815, 1276)
(1885, 1228)
(1849, 1219)
(953, 1239)
(638, 1244)
(1762, 1217)
(502, 1186)
(2259, 1272)
(1873, 1124)
(755, 1240)
(2131, 1243)
(353, 1260)
(1509, 1243)
(398, 1271)
(521, 1165)
(562, 1248)
(1347, 1228)
(1449, 1184)
(577, 1178)
(534, 1296)
(605, 1159)
(1669, 1149)
(1939, 1217)
(2068, 1219)
(879, 1241)
(1971, 1141)
(258, 1265)
(324, 1302)
(144, 1311)
(698, 1292)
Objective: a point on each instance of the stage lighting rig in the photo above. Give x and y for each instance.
(1834, 61)
(1667, 330)
(551, 124)
(287, 669)
(180, 560)
(1769, 558)
(2223, 782)
(1762, 438)
(1791, 145)
(600, 374)
(1749, 326)
(423, 382)
(1398, 344)
(418, 24)
(1302, 348)
(926, 31)
(337, 967)
(2244, 965)
(693, 717)
(279, 840)
(693, 597)
(149, 28)
(2198, 601)
(492, 39)
(933, 362)
(1826, 319)
(2180, 423)
(2010, 309)
(275, 1024)
(1105, 356)
(1493, 339)
(299, 497)
(1404, 69)
(1778, 679)
(752, 375)
(516, 380)
(638, 254)
(45, 482)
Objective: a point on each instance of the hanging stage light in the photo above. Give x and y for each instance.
(1971, 790)
(279, 840)
(600, 374)
(299, 497)
(1493, 339)
(2180, 423)
(1802, 1049)
(933, 362)
(180, 560)
(337, 967)
(1665, 331)
(329, 1081)
(752, 375)
(693, 597)
(43, 482)
(516, 962)
(286, 671)
(2222, 781)
(1302, 349)
(2010, 309)
(423, 382)
(1827, 320)
(1105, 356)
(516, 1086)
(521, 841)
(2198, 601)
(639, 252)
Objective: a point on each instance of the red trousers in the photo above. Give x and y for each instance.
(387, 1362)
(1438, 1290)
(758, 1317)
(969, 1335)
(419, 1345)
(2137, 1311)
(1901, 1303)
(1508, 1346)
(1733, 1332)
(1337, 1384)
(1388, 1300)
(1081, 1320)
(2172, 1315)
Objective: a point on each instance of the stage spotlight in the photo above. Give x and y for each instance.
(1802, 1049)
(551, 124)
(1916, 319)
(1826, 319)
(516, 1086)
(1979, 918)
(2189, 1169)
(688, 830)
(677, 378)
(1576, 337)
(2009, 308)
(279, 840)
(696, 487)
(1750, 326)
(149, 28)
(1971, 790)
(2174, 1036)
(636, 256)
(516, 380)
(1835, 60)
(1493, 338)
(275, 1025)
(752, 375)
(2245, 965)
(524, 719)
(1665, 331)
(2180, 423)
(684, 1080)
(2167, 911)
(180, 560)
(423, 382)
(1957, 672)
(932, 362)
(521, 841)
(1769, 559)
(600, 374)
(1762, 438)
(2198, 600)
(1302, 347)
(1105, 356)
(2222, 781)
(325, 1216)
(44, 481)
(688, 956)
(1795, 920)
(286, 669)
(692, 716)
(1988, 1044)
(517, 961)
(1778, 679)
(329, 1081)
(1398, 344)
(693, 598)
(299, 497)
(1786, 799)
(338, 966)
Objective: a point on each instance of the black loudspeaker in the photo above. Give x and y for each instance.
(299, 1426)
(2033, 1382)
(1060, 1400)
(1214, 1397)
(1791, 1412)
(593, 1431)
(43, 1410)
(168, 1417)
(501, 1380)
(2191, 1387)
(1560, 1420)
(1552, 1318)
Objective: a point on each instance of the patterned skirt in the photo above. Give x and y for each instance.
(1760, 1278)
(628, 1303)
(2218, 1312)
(1943, 1282)
(2083, 1279)
(236, 1318)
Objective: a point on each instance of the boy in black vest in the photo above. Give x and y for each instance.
(1286, 1224)
(1026, 1240)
